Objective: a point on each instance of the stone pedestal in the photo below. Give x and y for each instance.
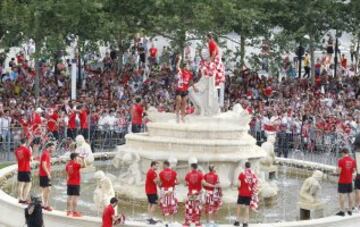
(311, 210)
(270, 171)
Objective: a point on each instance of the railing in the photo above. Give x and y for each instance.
(319, 146)
(101, 138)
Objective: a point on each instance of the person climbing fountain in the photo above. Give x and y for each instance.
(23, 157)
(247, 195)
(168, 201)
(346, 169)
(73, 183)
(184, 79)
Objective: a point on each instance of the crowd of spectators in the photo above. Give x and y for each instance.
(301, 111)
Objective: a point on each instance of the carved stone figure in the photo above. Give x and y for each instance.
(311, 187)
(205, 99)
(130, 165)
(268, 146)
(104, 191)
(84, 150)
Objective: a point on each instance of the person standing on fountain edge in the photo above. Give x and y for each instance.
(23, 157)
(194, 181)
(212, 195)
(45, 175)
(109, 217)
(346, 169)
(247, 190)
(137, 113)
(183, 81)
(168, 202)
(73, 183)
(151, 190)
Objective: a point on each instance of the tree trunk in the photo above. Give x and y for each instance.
(357, 55)
(37, 81)
(79, 85)
(181, 43)
(312, 59)
(242, 51)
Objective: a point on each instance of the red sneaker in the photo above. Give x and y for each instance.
(77, 214)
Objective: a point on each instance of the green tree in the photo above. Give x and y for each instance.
(307, 18)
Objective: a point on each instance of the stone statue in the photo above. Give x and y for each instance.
(84, 150)
(267, 189)
(205, 99)
(268, 147)
(173, 162)
(130, 165)
(104, 191)
(310, 189)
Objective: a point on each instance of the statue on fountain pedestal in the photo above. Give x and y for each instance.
(84, 150)
(268, 162)
(310, 190)
(131, 162)
(206, 98)
(104, 191)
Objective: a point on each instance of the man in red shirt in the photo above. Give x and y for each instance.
(153, 54)
(109, 217)
(45, 174)
(36, 125)
(84, 123)
(246, 186)
(73, 183)
(184, 81)
(151, 190)
(212, 195)
(71, 126)
(194, 181)
(346, 169)
(137, 113)
(53, 123)
(23, 157)
(168, 202)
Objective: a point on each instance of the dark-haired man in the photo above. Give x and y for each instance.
(45, 174)
(168, 202)
(346, 169)
(194, 180)
(73, 183)
(137, 113)
(109, 217)
(151, 190)
(23, 157)
(184, 81)
(247, 188)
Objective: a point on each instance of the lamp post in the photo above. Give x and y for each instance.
(336, 51)
(300, 52)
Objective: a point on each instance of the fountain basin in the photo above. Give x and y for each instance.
(12, 213)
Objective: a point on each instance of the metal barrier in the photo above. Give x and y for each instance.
(101, 138)
(319, 146)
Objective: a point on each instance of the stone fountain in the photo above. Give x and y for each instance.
(208, 136)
